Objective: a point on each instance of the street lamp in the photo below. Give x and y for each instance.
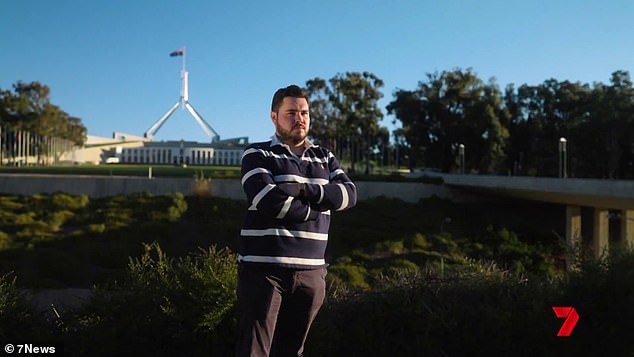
(461, 157)
(563, 170)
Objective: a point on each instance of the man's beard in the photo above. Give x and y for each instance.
(291, 136)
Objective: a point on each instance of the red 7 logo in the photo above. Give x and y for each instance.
(570, 314)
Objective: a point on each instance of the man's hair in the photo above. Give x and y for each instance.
(290, 91)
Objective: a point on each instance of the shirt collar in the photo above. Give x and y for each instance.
(275, 140)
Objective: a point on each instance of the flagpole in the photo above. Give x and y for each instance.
(185, 84)
(184, 54)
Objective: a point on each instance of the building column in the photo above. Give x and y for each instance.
(627, 228)
(601, 233)
(573, 235)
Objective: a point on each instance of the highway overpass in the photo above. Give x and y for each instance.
(602, 196)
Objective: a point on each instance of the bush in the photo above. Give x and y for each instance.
(18, 323)
(165, 306)
(414, 314)
(350, 275)
(63, 201)
(479, 309)
(507, 249)
(401, 266)
(57, 219)
(418, 243)
(5, 240)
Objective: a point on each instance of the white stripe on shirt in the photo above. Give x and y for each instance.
(280, 260)
(261, 195)
(281, 232)
(344, 197)
(336, 173)
(255, 171)
(300, 179)
(285, 208)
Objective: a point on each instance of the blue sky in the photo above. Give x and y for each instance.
(107, 62)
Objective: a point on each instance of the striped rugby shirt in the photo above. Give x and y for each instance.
(281, 230)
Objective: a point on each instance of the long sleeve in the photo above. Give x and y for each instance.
(263, 194)
(283, 226)
(341, 193)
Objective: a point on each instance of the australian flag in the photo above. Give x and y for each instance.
(178, 52)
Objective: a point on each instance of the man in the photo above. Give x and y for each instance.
(291, 187)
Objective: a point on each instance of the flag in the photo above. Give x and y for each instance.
(179, 52)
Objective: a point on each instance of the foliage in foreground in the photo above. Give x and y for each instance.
(416, 291)
(479, 309)
(185, 306)
(165, 306)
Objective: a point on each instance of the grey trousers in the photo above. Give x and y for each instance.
(276, 307)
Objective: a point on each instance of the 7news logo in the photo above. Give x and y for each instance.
(571, 318)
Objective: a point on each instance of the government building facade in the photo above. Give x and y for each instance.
(225, 152)
(130, 149)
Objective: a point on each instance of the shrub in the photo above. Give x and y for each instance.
(353, 276)
(9, 203)
(418, 242)
(63, 201)
(57, 219)
(23, 219)
(392, 247)
(413, 314)
(505, 247)
(5, 240)
(34, 230)
(400, 266)
(165, 306)
(18, 322)
(96, 228)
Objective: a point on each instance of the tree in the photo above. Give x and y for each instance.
(540, 116)
(323, 116)
(414, 135)
(608, 130)
(449, 109)
(597, 121)
(620, 125)
(29, 108)
(345, 113)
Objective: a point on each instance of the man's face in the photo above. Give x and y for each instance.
(292, 120)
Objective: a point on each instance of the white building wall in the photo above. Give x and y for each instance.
(186, 155)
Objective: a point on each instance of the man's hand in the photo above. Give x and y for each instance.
(304, 191)
(294, 189)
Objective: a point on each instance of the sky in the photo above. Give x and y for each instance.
(108, 63)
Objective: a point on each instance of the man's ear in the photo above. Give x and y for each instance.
(274, 117)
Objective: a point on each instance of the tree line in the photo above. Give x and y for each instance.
(32, 127)
(28, 107)
(512, 131)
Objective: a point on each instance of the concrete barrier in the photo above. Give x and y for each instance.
(92, 186)
(103, 186)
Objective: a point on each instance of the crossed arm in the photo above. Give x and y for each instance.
(294, 201)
